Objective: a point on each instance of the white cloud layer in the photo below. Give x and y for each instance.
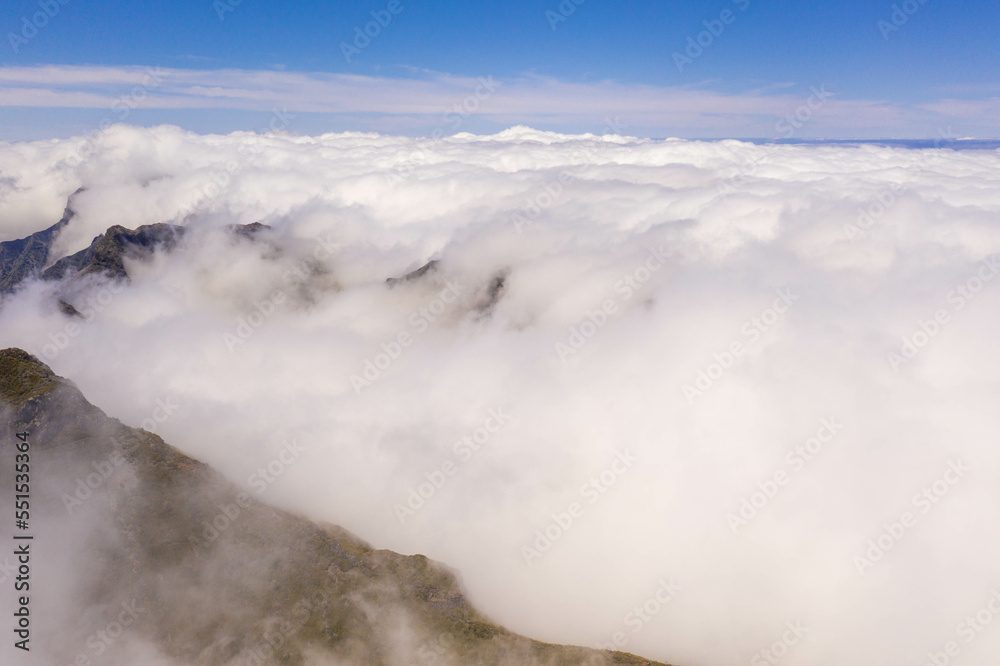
(666, 257)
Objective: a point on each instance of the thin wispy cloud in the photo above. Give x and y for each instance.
(530, 99)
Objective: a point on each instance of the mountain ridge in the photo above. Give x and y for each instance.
(213, 566)
(30, 257)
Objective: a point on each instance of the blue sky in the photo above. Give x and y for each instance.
(559, 66)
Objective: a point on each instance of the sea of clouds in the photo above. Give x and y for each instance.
(722, 403)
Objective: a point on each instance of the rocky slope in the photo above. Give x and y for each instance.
(31, 257)
(27, 257)
(212, 576)
(107, 252)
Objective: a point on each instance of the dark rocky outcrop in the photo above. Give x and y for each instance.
(30, 257)
(413, 275)
(107, 252)
(492, 295)
(25, 258)
(248, 230)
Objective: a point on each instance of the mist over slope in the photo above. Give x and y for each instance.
(764, 374)
(159, 559)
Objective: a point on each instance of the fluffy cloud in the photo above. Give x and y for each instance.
(622, 341)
